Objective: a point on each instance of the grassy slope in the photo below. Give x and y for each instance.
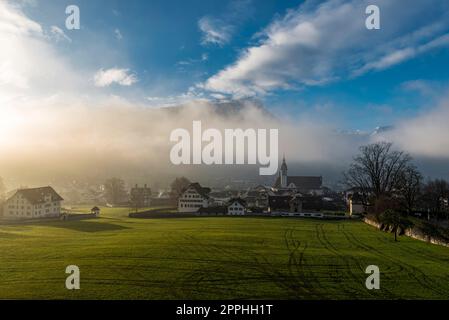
(214, 257)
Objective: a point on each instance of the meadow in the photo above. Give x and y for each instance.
(215, 258)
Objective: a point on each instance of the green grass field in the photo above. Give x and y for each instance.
(215, 258)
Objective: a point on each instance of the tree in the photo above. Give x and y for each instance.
(115, 190)
(136, 199)
(178, 186)
(377, 169)
(2, 190)
(394, 219)
(409, 188)
(433, 196)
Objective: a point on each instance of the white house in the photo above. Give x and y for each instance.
(356, 205)
(193, 198)
(237, 207)
(33, 203)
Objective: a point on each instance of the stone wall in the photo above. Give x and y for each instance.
(413, 232)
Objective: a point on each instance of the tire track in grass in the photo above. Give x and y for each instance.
(304, 271)
(295, 265)
(417, 251)
(356, 279)
(270, 273)
(413, 272)
(273, 273)
(192, 279)
(297, 282)
(388, 294)
(200, 278)
(423, 254)
(258, 267)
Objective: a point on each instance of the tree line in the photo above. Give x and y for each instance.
(392, 188)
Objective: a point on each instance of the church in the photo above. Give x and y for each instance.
(312, 185)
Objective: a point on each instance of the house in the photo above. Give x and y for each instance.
(236, 207)
(256, 197)
(279, 203)
(194, 197)
(140, 196)
(303, 184)
(221, 198)
(95, 211)
(33, 203)
(356, 205)
(295, 203)
(164, 198)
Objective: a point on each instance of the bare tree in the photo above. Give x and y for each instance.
(115, 190)
(377, 170)
(434, 194)
(409, 188)
(178, 186)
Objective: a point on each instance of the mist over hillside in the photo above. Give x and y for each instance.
(92, 142)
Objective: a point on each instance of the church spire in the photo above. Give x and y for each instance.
(284, 165)
(283, 173)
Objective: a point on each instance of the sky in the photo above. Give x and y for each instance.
(311, 62)
(299, 56)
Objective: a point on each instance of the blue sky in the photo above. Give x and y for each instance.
(174, 48)
(313, 63)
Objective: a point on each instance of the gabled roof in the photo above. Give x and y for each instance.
(306, 182)
(37, 195)
(198, 188)
(238, 200)
(221, 194)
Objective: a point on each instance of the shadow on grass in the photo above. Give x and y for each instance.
(86, 226)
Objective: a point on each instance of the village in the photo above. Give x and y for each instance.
(301, 196)
(287, 196)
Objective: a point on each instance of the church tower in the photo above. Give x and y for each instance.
(283, 173)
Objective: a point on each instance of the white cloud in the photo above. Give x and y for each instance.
(319, 43)
(104, 78)
(218, 30)
(14, 22)
(59, 34)
(118, 34)
(29, 64)
(214, 31)
(192, 95)
(426, 135)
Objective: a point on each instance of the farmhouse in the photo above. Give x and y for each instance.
(221, 198)
(256, 197)
(302, 184)
(33, 203)
(193, 198)
(237, 207)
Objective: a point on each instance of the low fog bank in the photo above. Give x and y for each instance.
(58, 143)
